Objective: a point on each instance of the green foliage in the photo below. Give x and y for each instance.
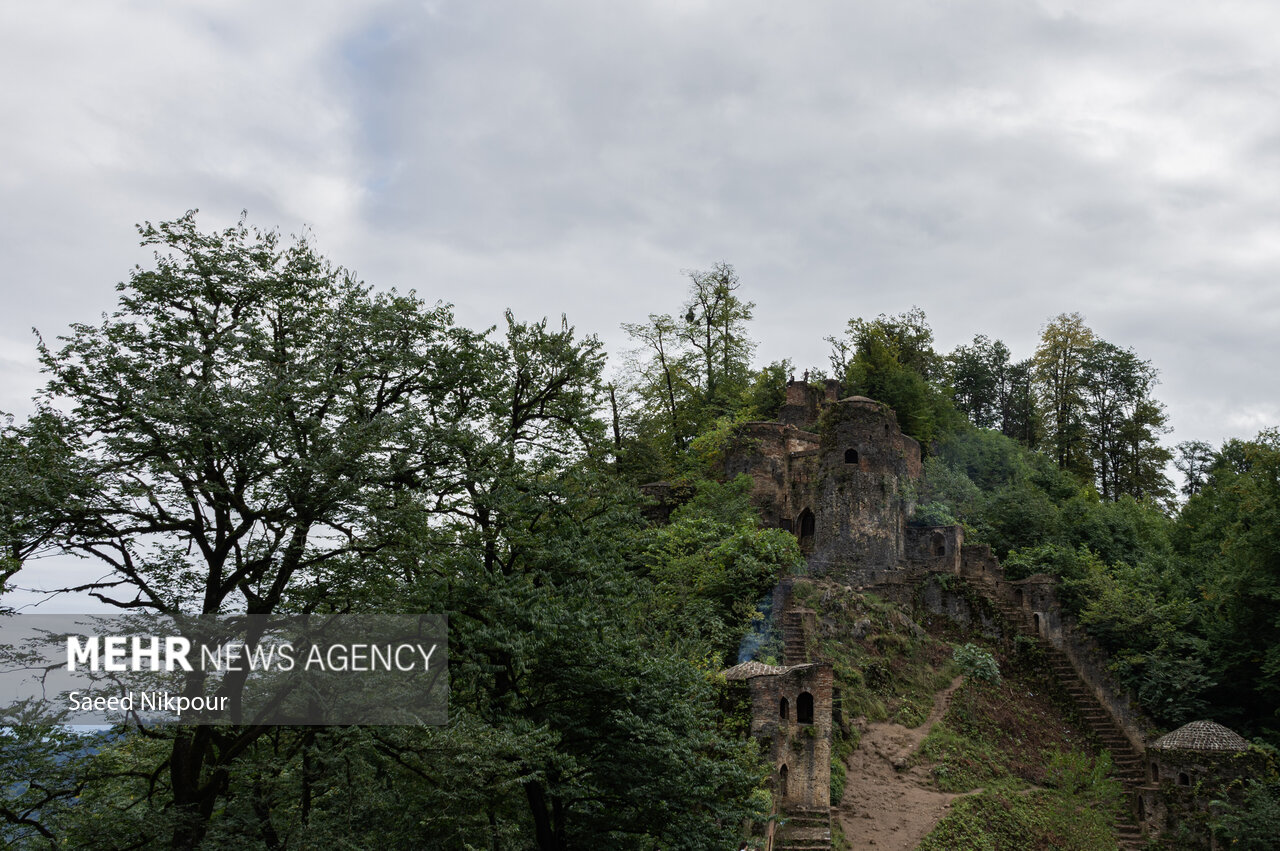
(961, 763)
(893, 362)
(767, 393)
(689, 371)
(1231, 530)
(1006, 816)
(977, 663)
(1077, 773)
(705, 458)
(710, 566)
(255, 429)
(992, 391)
(1254, 823)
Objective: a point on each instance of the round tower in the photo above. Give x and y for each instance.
(864, 489)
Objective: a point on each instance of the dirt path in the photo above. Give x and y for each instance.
(886, 809)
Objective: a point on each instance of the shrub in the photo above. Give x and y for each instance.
(976, 663)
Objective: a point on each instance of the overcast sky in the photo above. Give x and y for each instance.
(995, 163)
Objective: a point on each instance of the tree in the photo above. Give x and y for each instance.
(662, 379)
(992, 391)
(1194, 460)
(1059, 364)
(693, 368)
(975, 373)
(1114, 382)
(1229, 528)
(254, 430)
(893, 362)
(714, 327)
(246, 417)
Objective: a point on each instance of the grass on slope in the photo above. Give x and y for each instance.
(1042, 783)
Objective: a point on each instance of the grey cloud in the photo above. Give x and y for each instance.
(994, 162)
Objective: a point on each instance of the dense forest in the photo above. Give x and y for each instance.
(256, 430)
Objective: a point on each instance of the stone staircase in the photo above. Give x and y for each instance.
(1128, 764)
(804, 830)
(794, 649)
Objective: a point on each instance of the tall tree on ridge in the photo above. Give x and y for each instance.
(1059, 374)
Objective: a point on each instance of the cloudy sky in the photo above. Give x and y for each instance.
(993, 162)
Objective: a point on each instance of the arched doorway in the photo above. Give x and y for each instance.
(782, 782)
(807, 526)
(783, 709)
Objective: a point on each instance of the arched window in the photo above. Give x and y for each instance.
(1035, 617)
(851, 456)
(939, 544)
(1155, 773)
(1183, 779)
(782, 782)
(804, 708)
(783, 709)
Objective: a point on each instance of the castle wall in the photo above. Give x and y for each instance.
(765, 452)
(1037, 597)
(864, 489)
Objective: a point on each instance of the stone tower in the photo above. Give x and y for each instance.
(864, 488)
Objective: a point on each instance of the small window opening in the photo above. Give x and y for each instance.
(1155, 773)
(851, 456)
(1036, 620)
(1183, 779)
(782, 782)
(783, 709)
(804, 708)
(1017, 596)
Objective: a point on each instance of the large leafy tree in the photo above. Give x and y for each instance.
(993, 391)
(1059, 373)
(245, 418)
(1229, 527)
(688, 371)
(254, 430)
(1122, 422)
(891, 359)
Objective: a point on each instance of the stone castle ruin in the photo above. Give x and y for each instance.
(841, 476)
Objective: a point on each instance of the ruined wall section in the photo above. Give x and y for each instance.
(935, 548)
(865, 482)
(805, 403)
(775, 456)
